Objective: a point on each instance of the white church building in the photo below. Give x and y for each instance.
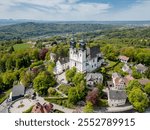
(85, 59)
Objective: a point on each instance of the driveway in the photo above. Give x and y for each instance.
(21, 105)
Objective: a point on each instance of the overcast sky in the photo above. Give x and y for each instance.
(75, 10)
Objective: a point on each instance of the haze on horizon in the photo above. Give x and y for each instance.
(76, 10)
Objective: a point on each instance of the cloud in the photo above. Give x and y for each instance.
(73, 10)
(51, 9)
(139, 11)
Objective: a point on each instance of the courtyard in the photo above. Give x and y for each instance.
(21, 105)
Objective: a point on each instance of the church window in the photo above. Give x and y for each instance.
(75, 64)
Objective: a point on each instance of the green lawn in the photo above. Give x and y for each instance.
(22, 47)
(64, 89)
(111, 63)
(4, 95)
(28, 110)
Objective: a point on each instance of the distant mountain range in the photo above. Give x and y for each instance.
(17, 21)
(14, 29)
(32, 29)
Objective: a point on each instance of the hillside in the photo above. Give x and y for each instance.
(31, 29)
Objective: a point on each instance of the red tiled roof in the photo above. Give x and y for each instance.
(118, 80)
(128, 78)
(45, 108)
(124, 58)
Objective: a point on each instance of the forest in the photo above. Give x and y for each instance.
(43, 30)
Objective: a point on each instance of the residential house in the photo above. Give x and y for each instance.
(144, 81)
(127, 79)
(110, 84)
(94, 78)
(116, 90)
(116, 97)
(127, 69)
(18, 91)
(123, 59)
(118, 81)
(61, 65)
(141, 68)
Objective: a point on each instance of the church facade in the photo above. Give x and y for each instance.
(83, 58)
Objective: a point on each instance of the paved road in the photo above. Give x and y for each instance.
(29, 102)
(114, 109)
(4, 107)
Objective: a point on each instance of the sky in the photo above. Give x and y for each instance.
(76, 10)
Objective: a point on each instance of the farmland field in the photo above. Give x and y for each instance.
(19, 47)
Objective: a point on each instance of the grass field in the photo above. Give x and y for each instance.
(22, 47)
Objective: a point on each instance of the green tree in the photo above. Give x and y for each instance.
(128, 51)
(2, 66)
(11, 49)
(8, 79)
(72, 96)
(42, 82)
(88, 108)
(147, 73)
(133, 84)
(81, 90)
(77, 78)
(111, 56)
(51, 91)
(70, 74)
(136, 74)
(10, 64)
(100, 88)
(138, 99)
(26, 78)
(34, 54)
(19, 63)
(51, 67)
(147, 88)
(1, 84)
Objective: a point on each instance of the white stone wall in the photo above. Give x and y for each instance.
(121, 85)
(61, 67)
(58, 68)
(116, 102)
(79, 60)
